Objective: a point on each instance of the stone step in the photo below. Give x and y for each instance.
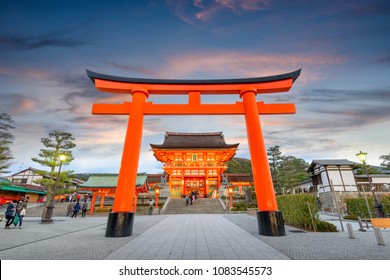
(199, 206)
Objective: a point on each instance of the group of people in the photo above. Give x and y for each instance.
(15, 212)
(75, 209)
(191, 197)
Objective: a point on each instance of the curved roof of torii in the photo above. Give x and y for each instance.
(292, 75)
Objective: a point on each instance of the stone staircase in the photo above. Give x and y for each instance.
(199, 206)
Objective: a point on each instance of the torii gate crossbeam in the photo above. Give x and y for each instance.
(120, 221)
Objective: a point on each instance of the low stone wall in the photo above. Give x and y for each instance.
(328, 203)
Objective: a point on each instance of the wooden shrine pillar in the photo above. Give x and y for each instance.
(92, 207)
(120, 220)
(103, 196)
(135, 202)
(270, 221)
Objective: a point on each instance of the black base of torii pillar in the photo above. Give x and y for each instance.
(120, 224)
(270, 223)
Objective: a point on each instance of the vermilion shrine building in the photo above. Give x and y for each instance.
(194, 162)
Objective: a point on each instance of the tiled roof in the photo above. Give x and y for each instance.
(109, 181)
(154, 178)
(6, 185)
(175, 140)
(333, 162)
(327, 162)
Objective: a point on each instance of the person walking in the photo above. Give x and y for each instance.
(151, 206)
(21, 215)
(10, 213)
(76, 209)
(69, 208)
(187, 200)
(84, 209)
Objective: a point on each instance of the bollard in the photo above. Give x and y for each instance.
(379, 237)
(365, 219)
(360, 224)
(350, 231)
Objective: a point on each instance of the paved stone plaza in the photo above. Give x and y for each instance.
(181, 237)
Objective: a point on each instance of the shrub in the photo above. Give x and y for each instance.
(296, 212)
(349, 217)
(241, 206)
(323, 226)
(357, 207)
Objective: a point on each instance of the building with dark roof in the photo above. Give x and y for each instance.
(194, 162)
(336, 173)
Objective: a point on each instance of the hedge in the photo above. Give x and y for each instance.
(357, 207)
(295, 209)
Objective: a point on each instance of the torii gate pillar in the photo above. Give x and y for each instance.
(269, 219)
(120, 221)
(121, 218)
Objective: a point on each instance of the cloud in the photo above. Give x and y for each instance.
(359, 10)
(16, 104)
(384, 60)
(204, 11)
(57, 38)
(30, 73)
(238, 6)
(180, 9)
(80, 93)
(246, 64)
(137, 69)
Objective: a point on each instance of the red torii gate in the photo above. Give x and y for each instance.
(120, 220)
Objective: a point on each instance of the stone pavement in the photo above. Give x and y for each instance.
(181, 237)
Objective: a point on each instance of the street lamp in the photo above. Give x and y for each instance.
(362, 156)
(49, 212)
(157, 193)
(230, 191)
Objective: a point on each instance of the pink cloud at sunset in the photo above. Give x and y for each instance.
(241, 64)
(27, 73)
(207, 10)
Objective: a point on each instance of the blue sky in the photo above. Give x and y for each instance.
(342, 96)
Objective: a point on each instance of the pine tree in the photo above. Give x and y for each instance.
(58, 143)
(386, 161)
(292, 171)
(6, 138)
(274, 159)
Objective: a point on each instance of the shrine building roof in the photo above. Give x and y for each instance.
(210, 140)
(109, 181)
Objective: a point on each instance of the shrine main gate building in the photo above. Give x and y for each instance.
(194, 162)
(121, 219)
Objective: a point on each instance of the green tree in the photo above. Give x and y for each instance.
(274, 158)
(6, 139)
(292, 171)
(359, 168)
(386, 161)
(58, 143)
(239, 166)
(65, 177)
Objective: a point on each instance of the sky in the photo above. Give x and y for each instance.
(342, 95)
